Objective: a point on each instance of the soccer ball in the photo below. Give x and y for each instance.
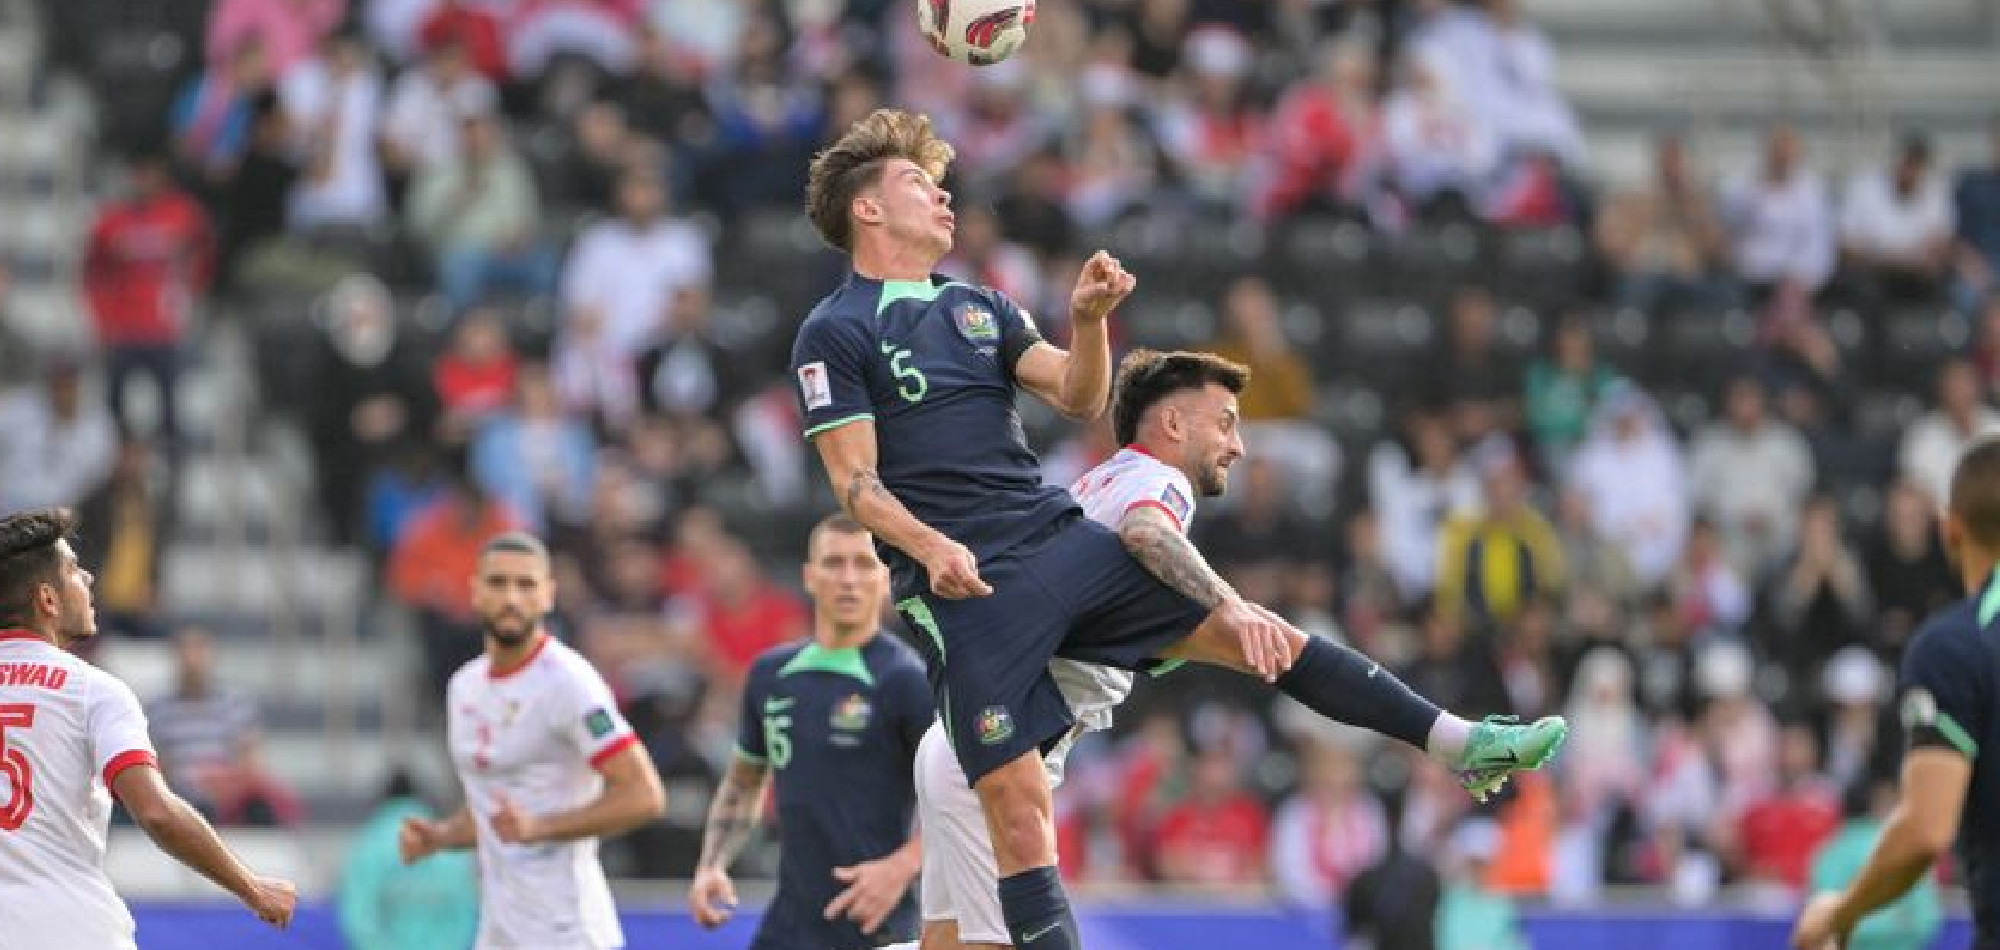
(976, 32)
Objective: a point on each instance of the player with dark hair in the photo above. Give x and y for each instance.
(548, 763)
(834, 723)
(1951, 773)
(907, 380)
(71, 737)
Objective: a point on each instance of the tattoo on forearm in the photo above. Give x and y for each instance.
(1172, 558)
(864, 482)
(731, 821)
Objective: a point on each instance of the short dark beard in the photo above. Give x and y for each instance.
(1212, 483)
(508, 638)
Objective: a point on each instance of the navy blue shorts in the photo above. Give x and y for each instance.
(1071, 591)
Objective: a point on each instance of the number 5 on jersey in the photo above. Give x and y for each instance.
(15, 766)
(777, 736)
(910, 381)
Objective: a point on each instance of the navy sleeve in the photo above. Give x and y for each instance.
(830, 363)
(750, 722)
(1944, 690)
(911, 693)
(1017, 330)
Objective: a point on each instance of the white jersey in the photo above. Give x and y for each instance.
(1130, 478)
(66, 730)
(535, 734)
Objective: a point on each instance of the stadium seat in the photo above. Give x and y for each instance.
(1543, 265)
(1913, 342)
(1430, 257)
(1380, 339)
(1702, 348)
(1625, 342)
(1324, 259)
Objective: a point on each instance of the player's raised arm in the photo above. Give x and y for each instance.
(1077, 382)
(180, 831)
(732, 817)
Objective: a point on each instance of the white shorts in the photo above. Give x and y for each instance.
(960, 879)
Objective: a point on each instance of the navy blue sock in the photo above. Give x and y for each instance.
(1037, 911)
(1345, 686)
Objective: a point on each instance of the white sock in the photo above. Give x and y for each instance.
(1448, 738)
(905, 945)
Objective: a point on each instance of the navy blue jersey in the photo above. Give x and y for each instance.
(931, 363)
(1949, 675)
(839, 730)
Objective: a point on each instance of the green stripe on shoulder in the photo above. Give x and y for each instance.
(837, 423)
(1956, 735)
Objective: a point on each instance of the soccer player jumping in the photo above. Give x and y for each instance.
(907, 381)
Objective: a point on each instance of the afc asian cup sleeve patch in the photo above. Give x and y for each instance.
(598, 723)
(814, 387)
(1177, 503)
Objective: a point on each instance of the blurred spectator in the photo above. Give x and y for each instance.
(1907, 569)
(1976, 206)
(1263, 541)
(740, 612)
(1472, 915)
(600, 148)
(1820, 601)
(1708, 590)
(1329, 832)
(1933, 444)
(1813, 387)
(1470, 375)
(1779, 833)
(1393, 903)
(1159, 36)
(477, 214)
(250, 202)
(624, 272)
(148, 258)
(210, 121)
(1217, 834)
(1780, 222)
(981, 254)
(473, 27)
(1454, 670)
(663, 96)
(1367, 588)
(767, 122)
(130, 517)
(1912, 921)
(1214, 131)
(1492, 563)
(60, 445)
(1985, 349)
(995, 129)
(1738, 731)
(685, 372)
(199, 728)
(1604, 767)
(1113, 160)
(1629, 471)
(1664, 239)
(421, 122)
(287, 30)
(535, 460)
(595, 36)
(475, 376)
(429, 567)
(1595, 563)
(1859, 728)
(1032, 212)
(1756, 516)
(1437, 151)
(1516, 87)
(1415, 484)
(1564, 389)
(371, 398)
(247, 795)
(1321, 133)
(385, 904)
(335, 104)
(410, 484)
(1278, 419)
(1896, 228)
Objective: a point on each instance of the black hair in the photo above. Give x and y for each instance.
(28, 558)
(1147, 376)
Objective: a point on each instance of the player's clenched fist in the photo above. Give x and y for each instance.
(954, 572)
(272, 900)
(1103, 285)
(419, 839)
(712, 898)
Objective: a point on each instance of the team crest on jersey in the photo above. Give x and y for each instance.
(995, 726)
(977, 325)
(1177, 503)
(851, 714)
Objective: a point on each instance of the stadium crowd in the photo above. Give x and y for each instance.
(503, 261)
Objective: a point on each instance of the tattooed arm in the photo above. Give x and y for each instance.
(1153, 540)
(738, 806)
(849, 455)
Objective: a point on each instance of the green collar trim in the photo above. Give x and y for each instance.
(842, 661)
(1989, 600)
(922, 291)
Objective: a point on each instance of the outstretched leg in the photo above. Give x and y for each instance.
(1020, 817)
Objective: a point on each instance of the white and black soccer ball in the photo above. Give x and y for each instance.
(976, 32)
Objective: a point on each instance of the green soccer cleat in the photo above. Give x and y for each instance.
(1501, 746)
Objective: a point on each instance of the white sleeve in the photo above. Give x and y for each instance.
(118, 738)
(1167, 489)
(588, 715)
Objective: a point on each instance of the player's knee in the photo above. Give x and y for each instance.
(1018, 813)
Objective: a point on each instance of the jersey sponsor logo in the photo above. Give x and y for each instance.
(599, 723)
(814, 387)
(976, 325)
(995, 725)
(1177, 503)
(33, 674)
(777, 704)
